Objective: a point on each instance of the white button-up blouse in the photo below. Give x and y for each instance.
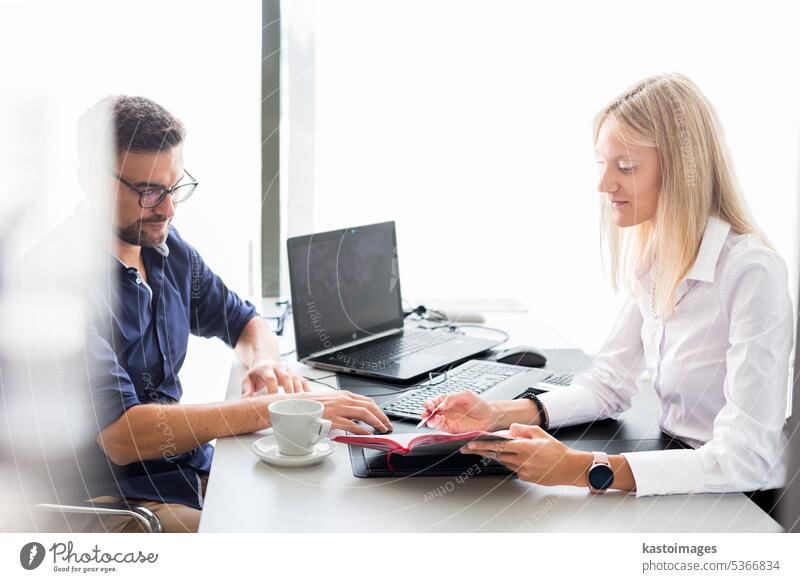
(719, 365)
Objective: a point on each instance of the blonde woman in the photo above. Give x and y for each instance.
(709, 316)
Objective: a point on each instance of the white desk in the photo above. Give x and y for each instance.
(245, 495)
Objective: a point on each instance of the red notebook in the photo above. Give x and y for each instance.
(412, 443)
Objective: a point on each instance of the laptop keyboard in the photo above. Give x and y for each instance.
(475, 375)
(405, 344)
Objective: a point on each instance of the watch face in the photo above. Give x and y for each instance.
(601, 477)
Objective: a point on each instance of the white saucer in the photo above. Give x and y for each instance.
(267, 450)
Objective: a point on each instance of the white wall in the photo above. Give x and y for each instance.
(201, 60)
(467, 122)
(470, 124)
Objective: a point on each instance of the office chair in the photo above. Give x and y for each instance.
(146, 518)
(57, 463)
(789, 505)
(69, 480)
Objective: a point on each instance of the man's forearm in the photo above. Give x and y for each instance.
(256, 342)
(149, 431)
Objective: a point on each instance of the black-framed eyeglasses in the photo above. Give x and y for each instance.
(152, 196)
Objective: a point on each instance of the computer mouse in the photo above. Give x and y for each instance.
(527, 356)
(372, 429)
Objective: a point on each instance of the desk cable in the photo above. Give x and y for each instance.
(423, 314)
(430, 382)
(319, 381)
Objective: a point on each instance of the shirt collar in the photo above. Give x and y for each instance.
(710, 247)
(161, 249)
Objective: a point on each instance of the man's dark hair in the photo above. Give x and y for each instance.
(143, 126)
(118, 124)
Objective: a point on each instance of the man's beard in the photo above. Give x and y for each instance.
(136, 235)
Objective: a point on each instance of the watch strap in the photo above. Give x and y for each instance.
(599, 459)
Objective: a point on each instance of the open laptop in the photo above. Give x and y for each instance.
(347, 311)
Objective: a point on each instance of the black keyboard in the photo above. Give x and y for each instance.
(476, 375)
(396, 347)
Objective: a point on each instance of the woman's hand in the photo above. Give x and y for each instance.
(268, 375)
(344, 409)
(462, 412)
(536, 456)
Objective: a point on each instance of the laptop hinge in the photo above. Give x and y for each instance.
(357, 342)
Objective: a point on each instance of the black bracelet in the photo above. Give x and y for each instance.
(544, 419)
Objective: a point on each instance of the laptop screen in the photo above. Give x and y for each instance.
(345, 286)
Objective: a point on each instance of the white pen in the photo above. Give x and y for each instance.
(427, 417)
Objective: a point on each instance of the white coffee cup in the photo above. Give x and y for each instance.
(298, 425)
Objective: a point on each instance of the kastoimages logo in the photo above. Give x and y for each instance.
(31, 555)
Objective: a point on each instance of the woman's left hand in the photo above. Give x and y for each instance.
(536, 456)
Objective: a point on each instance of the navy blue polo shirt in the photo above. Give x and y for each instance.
(136, 356)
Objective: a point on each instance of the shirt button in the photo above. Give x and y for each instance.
(138, 281)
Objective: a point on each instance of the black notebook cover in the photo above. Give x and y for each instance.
(373, 463)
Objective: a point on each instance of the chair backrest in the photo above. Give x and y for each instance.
(48, 449)
(789, 507)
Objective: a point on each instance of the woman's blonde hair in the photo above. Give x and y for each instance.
(670, 113)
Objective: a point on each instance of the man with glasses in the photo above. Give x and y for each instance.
(158, 448)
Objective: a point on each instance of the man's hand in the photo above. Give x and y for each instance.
(267, 375)
(344, 409)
